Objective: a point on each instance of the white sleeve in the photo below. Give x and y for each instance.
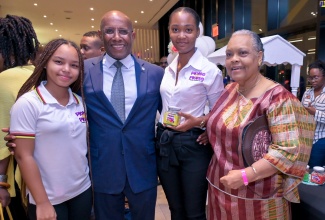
(216, 88)
(24, 114)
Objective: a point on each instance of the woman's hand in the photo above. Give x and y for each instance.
(233, 179)
(203, 138)
(190, 122)
(311, 110)
(4, 197)
(45, 211)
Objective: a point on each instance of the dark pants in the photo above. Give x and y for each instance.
(184, 179)
(112, 206)
(16, 207)
(77, 208)
(317, 156)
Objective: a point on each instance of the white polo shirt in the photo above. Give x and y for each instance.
(60, 141)
(199, 82)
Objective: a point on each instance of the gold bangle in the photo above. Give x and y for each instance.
(254, 169)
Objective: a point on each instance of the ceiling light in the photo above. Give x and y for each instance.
(51, 23)
(135, 21)
(142, 12)
(35, 4)
(92, 26)
(44, 16)
(295, 40)
(260, 30)
(311, 49)
(92, 19)
(56, 30)
(91, 9)
(312, 38)
(60, 35)
(311, 52)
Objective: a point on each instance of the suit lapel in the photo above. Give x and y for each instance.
(96, 77)
(141, 74)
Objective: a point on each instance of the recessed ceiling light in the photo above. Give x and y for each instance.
(260, 30)
(56, 30)
(44, 16)
(51, 23)
(35, 4)
(92, 19)
(135, 21)
(142, 12)
(91, 9)
(92, 26)
(60, 35)
(150, 0)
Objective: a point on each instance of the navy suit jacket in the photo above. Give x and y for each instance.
(123, 151)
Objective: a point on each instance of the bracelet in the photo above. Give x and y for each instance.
(254, 169)
(3, 178)
(5, 185)
(202, 124)
(243, 175)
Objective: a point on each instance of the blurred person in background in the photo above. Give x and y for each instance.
(91, 45)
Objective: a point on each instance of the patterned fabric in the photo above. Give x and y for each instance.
(118, 93)
(292, 131)
(319, 103)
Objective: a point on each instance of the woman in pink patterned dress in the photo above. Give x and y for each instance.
(265, 189)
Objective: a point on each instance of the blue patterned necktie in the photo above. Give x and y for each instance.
(117, 92)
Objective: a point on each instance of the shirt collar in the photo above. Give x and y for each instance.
(109, 61)
(195, 61)
(46, 97)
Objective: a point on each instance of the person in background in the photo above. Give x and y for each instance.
(163, 62)
(314, 102)
(189, 82)
(48, 120)
(91, 45)
(18, 46)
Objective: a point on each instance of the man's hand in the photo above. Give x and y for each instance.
(9, 139)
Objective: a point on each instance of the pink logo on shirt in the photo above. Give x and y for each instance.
(197, 76)
(81, 116)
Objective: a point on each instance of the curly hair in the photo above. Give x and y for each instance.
(18, 41)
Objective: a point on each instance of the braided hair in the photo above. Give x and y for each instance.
(39, 73)
(18, 41)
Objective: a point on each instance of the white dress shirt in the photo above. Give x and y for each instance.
(128, 73)
(199, 82)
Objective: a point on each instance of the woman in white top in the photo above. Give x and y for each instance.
(314, 102)
(189, 82)
(49, 123)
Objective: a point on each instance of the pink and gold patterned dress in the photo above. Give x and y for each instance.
(292, 130)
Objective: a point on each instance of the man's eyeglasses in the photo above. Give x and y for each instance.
(121, 32)
(310, 79)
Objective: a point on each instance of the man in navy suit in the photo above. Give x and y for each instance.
(123, 157)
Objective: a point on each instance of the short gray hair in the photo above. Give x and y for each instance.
(256, 40)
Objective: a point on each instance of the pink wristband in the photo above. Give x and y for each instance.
(243, 175)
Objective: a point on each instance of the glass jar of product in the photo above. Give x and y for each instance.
(171, 116)
(318, 175)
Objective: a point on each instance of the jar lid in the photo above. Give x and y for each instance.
(174, 108)
(318, 169)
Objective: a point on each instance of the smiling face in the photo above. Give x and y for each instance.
(62, 69)
(117, 34)
(183, 31)
(316, 78)
(242, 60)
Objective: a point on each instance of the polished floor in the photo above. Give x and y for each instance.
(162, 210)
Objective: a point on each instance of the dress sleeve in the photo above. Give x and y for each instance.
(292, 129)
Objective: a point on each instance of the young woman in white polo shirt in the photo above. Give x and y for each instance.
(189, 82)
(48, 120)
